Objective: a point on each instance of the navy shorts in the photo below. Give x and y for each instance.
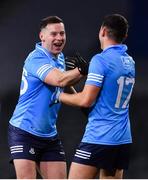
(107, 157)
(24, 145)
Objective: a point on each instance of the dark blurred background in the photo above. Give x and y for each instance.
(19, 27)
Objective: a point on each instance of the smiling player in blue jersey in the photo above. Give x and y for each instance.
(106, 142)
(32, 135)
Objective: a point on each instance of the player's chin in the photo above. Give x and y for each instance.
(58, 50)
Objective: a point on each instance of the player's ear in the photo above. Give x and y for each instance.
(41, 36)
(104, 30)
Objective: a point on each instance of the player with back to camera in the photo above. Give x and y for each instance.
(106, 142)
(32, 134)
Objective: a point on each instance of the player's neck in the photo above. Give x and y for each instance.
(108, 43)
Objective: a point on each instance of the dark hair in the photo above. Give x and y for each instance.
(117, 26)
(50, 20)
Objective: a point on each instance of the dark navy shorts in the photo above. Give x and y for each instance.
(24, 145)
(107, 157)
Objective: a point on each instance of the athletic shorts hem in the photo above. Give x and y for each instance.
(46, 160)
(103, 156)
(99, 166)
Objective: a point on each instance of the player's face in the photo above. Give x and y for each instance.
(53, 38)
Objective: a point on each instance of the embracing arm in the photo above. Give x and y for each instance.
(58, 78)
(82, 99)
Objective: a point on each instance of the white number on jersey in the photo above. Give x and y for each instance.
(123, 82)
(24, 82)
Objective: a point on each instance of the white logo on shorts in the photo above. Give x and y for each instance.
(62, 152)
(31, 151)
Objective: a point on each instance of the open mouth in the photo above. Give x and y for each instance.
(58, 45)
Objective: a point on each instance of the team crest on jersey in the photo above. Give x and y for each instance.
(127, 62)
(31, 151)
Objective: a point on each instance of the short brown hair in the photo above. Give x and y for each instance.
(50, 20)
(117, 26)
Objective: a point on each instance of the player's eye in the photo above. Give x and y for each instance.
(53, 34)
(62, 33)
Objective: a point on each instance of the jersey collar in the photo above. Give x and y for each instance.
(120, 47)
(39, 47)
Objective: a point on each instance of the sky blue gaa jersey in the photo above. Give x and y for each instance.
(36, 112)
(114, 71)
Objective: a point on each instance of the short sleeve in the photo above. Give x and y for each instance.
(96, 71)
(39, 67)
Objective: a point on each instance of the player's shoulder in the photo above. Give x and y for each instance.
(36, 57)
(97, 58)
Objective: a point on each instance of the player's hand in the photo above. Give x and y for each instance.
(81, 64)
(77, 61)
(70, 63)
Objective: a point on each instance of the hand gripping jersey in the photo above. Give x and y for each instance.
(114, 71)
(36, 111)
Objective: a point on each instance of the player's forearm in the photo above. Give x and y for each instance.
(70, 99)
(77, 99)
(62, 79)
(70, 78)
(85, 98)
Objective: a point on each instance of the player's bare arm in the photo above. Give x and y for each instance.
(83, 99)
(57, 78)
